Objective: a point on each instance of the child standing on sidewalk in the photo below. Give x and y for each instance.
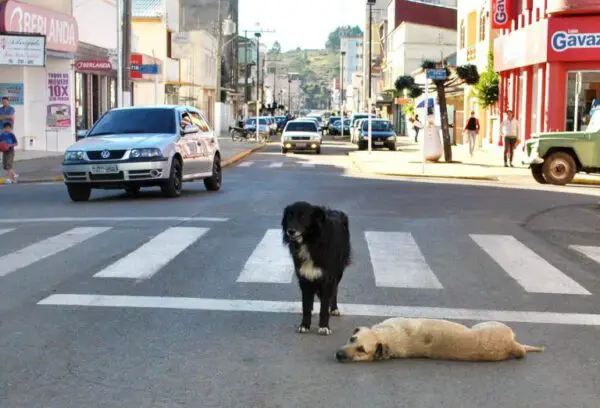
(9, 141)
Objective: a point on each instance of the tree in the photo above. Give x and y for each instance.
(465, 74)
(486, 91)
(334, 39)
(275, 49)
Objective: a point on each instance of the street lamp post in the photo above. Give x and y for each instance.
(289, 95)
(342, 92)
(370, 132)
(257, 35)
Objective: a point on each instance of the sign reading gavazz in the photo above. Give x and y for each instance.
(23, 50)
(501, 13)
(574, 39)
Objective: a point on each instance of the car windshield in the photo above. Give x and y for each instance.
(252, 121)
(129, 121)
(334, 120)
(301, 127)
(377, 126)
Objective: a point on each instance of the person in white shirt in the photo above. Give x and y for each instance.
(510, 131)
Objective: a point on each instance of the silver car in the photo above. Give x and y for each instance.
(134, 147)
(301, 135)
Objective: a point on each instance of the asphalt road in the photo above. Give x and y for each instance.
(189, 302)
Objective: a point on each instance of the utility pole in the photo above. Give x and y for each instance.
(127, 4)
(218, 62)
(119, 17)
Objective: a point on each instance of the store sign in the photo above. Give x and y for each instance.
(574, 39)
(15, 92)
(501, 12)
(93, 65)
(58, 107)
(60, 29)
(23, 50)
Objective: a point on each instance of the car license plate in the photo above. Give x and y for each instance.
(378, 143)
(105, 169)
(300, 144)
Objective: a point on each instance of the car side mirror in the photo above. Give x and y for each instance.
(188, 130)
(80, 134)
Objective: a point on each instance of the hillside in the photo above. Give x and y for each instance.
(316, 69)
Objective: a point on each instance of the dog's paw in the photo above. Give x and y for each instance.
(325, 331)
(335, 312)
(302, 329)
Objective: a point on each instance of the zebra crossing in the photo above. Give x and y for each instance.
(278, 164)
(396, 258)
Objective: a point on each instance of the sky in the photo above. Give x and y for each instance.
(299, 23)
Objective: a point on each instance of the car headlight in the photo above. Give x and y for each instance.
(74, 155)
(145, 153)
(391, 138)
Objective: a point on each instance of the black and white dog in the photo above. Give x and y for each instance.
(319, 242)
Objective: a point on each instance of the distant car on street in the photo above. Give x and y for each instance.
(382, 134)
(134, 147)
(301, 135)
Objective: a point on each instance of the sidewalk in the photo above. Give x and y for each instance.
(40, 166)
(486, 165)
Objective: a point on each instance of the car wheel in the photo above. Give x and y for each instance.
(537, 172)
(173, 186)
(283, 151)
(559, 168)
(318, 151)
(361, 146)
(392, 147)
(79, 193)
(213, 183)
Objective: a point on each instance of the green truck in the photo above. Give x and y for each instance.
(556, 157)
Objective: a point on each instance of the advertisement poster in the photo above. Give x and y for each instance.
(14, 91)
(59, 105)
(501, 13)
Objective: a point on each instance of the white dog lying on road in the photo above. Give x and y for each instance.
(436, 339)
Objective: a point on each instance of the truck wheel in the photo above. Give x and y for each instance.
(537, 172)
(559, 168)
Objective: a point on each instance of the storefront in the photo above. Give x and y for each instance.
(95, 85)
(43, 93)
(550, 73)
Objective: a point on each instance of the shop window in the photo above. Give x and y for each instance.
(583, 89)
(96, 108)
(462, 34)
(112, 93)
(169, 42)
(81, 117)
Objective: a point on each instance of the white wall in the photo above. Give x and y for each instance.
(172, 9)
(88, 13)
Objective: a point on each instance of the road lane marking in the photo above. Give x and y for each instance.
(398, 262)
(84, 219)
(266, 306)
(531, 271)
(592, 252)
(308, 165)
(246, 164)
(270, 261)
(6, 230)
(151, 257)
(275, 164)
(46, 248)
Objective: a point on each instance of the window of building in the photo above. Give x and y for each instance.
(80, 101)
(169, 36)
(462, 34)
(483, 18)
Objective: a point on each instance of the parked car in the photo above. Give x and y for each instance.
(336, 127)
(264, 130)
(135, 147)
(355, 129)
(382, 135)
(556, 157)
(301, 135)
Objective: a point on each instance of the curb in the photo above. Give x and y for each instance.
(225, 163)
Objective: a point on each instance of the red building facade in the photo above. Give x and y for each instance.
(548, 59)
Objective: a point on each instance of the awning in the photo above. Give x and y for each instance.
(182, 83)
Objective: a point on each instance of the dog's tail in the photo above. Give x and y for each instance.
(533, 349)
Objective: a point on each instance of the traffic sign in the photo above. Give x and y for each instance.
(437, 74)
(148, 69)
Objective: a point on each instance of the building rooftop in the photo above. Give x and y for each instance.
(146, 8)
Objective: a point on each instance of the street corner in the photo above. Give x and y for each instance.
(242, 155)
(586, 180)
(27, 180)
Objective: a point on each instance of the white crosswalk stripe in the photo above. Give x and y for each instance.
(530, 270)
(151, 257)
(396, 258)
(270, 262)
(275, 165)
(246, 164)
(46, 248)
(398, 262)
(592, 252)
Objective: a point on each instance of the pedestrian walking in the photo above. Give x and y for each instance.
(417, 125)
(8, 141)
(472, 129)
(510, 131)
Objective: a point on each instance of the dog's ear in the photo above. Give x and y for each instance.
(381, 352)
(318, 215)
(284, 218)
(356, 330)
